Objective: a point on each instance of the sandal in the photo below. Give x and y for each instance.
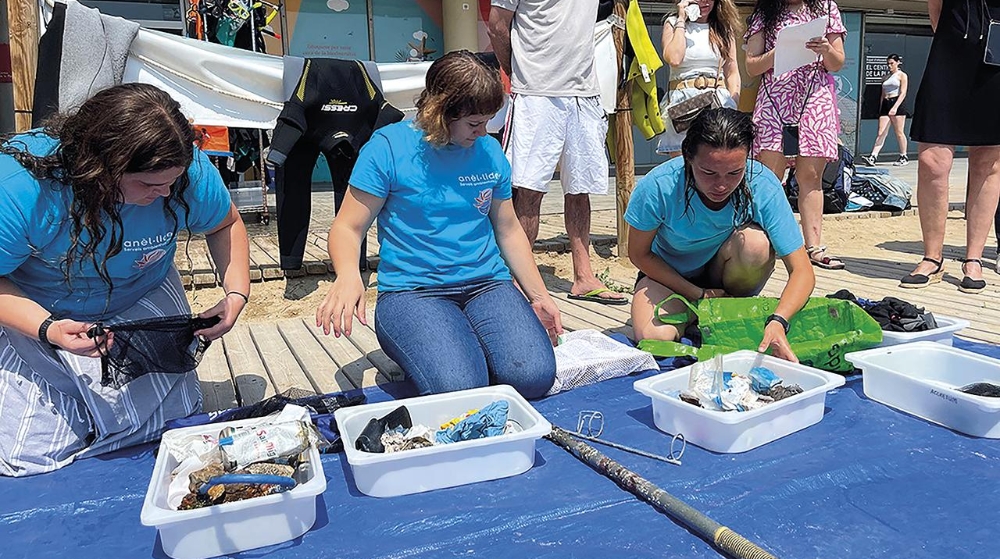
(968, 284)
(827, 262)
(918, 281)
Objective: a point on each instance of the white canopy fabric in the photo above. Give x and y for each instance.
(224, 86)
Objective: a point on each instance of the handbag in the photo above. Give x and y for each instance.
(820, 334)
(683, 113)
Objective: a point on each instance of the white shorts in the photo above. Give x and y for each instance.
(543, 132)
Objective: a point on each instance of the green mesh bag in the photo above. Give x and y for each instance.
(820, 334)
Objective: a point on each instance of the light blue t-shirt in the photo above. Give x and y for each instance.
(35, 228)
(688, 241)
(434, 228)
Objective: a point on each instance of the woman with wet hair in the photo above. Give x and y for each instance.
(90, 209)
(711, 224)
(447, 311)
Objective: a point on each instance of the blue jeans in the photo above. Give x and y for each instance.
(466, 336)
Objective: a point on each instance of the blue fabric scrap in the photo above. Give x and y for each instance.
(487, 422)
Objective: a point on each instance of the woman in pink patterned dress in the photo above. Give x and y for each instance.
(805, 97)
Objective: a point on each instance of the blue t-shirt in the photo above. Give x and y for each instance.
(35, 228)
(688, 241)
(434, 228)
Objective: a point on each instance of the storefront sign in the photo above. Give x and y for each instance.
(876, 69)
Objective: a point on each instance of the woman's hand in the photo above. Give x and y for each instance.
(72, 336)
(776, 342)
(682, 10)
(346, 297)
(548, 314)
(228, 310)
(819, 45)
(892, 111)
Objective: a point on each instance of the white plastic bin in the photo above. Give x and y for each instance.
(439, 466)
(943, 334)
(921, 379)
(230, 527)
(734, 431)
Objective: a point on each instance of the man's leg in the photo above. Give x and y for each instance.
(584, 171)
(528, 206)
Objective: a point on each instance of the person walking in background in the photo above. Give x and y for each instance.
(796, 113)
(701, 52)
(547, 48)
(957, 106)
(891, 110)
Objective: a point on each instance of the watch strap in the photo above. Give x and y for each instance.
(779, 319)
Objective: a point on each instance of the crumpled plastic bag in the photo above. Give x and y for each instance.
(487, 422)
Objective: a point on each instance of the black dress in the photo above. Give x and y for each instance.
(958, 102)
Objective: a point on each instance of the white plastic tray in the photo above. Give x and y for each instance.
(943, 334)
(733, 431)
(436, 467)
(921, 379)
(230, 527)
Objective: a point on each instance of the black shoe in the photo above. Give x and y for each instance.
(918, 281)
(968, 284)
(868, 160)
(903, 160)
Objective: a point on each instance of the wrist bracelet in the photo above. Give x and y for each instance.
(43, 331)
(246, 298)
(779, 319)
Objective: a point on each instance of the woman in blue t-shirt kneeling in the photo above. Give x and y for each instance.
(709, 224)
(90, 210)
(448, 311)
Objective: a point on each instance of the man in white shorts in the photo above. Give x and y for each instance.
(547, 48)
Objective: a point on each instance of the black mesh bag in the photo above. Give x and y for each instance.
(152, 345)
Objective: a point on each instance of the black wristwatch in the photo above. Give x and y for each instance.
(779, 319)
(43, 331)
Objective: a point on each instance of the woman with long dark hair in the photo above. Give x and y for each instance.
(710, 224)
(701, 52)
(796, 113)
(447, 311)
(892, 111)
(90, 210)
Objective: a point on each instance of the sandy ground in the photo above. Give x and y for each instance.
(299, 297)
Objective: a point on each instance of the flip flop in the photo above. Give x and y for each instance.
(595, 297)
(827, 262)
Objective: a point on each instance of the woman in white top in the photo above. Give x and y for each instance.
(694, 41)
(892, 110)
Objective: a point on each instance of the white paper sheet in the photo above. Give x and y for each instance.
(790, 50)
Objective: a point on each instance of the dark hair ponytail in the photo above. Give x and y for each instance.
(720, 129)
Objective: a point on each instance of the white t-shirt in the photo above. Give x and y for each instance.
(552, 47)
(700, 56)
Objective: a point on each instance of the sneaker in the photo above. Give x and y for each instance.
(901, 161)
(868, 160)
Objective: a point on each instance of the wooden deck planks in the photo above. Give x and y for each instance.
(280, 362)
(353, 362)
(253, 383)
(323, 372)
(217, 390)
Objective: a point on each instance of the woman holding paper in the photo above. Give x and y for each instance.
(699, 44)
(796, 112)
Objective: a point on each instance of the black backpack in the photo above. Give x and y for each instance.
(837, 177)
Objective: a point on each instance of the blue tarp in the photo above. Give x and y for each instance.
(867, 481)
